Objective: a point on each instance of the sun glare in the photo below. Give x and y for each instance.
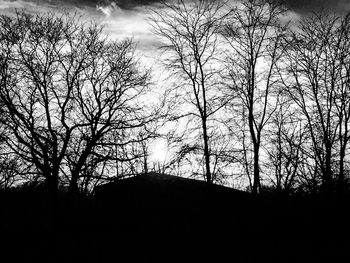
(159, 152)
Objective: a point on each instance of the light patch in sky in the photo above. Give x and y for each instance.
(10, 7)
(159, 152)
(124, 23)
(7, 7)
(10, 4)
(109, 9)
(120, 23)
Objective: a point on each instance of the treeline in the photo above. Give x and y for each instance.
(72, 107)
(267, 93)
(256, 97)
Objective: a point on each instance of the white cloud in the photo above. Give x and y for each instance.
(118, 23)
(8, 5)
(109, 9)
(133, 23)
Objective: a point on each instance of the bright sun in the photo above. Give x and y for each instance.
(159, 152)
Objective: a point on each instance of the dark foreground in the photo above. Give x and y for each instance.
(157, 218)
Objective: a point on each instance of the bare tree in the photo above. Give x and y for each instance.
(318, 82)
(9, 170)
(191, 46)
(285, 147)
(70, 95)
(342, 98)
(254, 33)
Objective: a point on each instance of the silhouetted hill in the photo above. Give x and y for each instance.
(163, 218)
(165, 191)
(178, 215)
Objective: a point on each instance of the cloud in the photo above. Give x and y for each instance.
(7, 6)
(109, 9)
(105, 5)
(297, 5)
(128, 18)
(123, 4)
(118, 22)
(10, 4)
(316, 5)
(128, 23)
(34, 6)
(131, 4)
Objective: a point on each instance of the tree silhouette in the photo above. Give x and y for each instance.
(285, 147)
(71, 96)
(191, 47)
(255, 33)
(317, 79)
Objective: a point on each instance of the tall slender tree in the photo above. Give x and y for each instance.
(191, 46)
(254, 33)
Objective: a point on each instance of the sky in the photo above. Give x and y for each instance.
(120, 18)
(128, 18)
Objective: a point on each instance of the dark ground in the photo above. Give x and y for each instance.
(159, 218)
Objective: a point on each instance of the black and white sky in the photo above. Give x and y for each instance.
(128, 18)
(122, 18)
(299, 5)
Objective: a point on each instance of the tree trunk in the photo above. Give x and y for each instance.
(206, 153)
(327, 176)
(343, 143)
(341, 178)
(145, 165)
(256, 183)
(73, 189)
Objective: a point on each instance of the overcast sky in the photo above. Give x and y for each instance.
(120, 18)
(127, 18)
